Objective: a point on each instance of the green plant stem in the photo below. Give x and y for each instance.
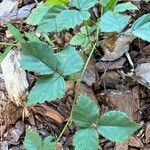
(8, 44)
(78, 86)
(45, 35)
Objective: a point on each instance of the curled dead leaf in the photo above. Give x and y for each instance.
(49, 112)
(114, 46)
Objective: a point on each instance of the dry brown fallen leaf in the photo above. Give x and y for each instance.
(142, 73)
(146, 51)
(9, 115)
(147, 132)
(49, 112)
(125, 101)
(91, 74)
(103, 66)
(114, 46)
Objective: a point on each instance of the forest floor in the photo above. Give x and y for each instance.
(111, 83)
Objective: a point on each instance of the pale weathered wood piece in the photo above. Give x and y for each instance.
(14, 77)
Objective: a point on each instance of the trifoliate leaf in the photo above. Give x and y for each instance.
(15, 32)
(85, 112)
(113, 22)
(48, 22)
(37, 14)
(70, 61)
(47, 88)
(141, 27)
(55, 19)
(48, 144)
(57, 2)
(33, 141)
(125, 6)
(74, 18)
(38, 57)
(86, 139)
(116, 126)
(83, 4)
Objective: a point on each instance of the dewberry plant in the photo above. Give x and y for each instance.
(54, 68)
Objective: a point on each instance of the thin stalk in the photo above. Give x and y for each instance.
(78, 86)
(87, 32)
(8, 44)
(48, 39)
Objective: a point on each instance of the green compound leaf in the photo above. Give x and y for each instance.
(48, 22)
(57, 2)
(116, 126)
(70, 61)
(47, 88)
(70, 18)
(37, 14)
(53, 19)
(141, 27)
(48, 144)
(33, 141)
(15, 32)
(83, 4)
(85, 111)
(125, 6)
(113, 22)
(84, 37)
(38, 57)
(86, 139)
